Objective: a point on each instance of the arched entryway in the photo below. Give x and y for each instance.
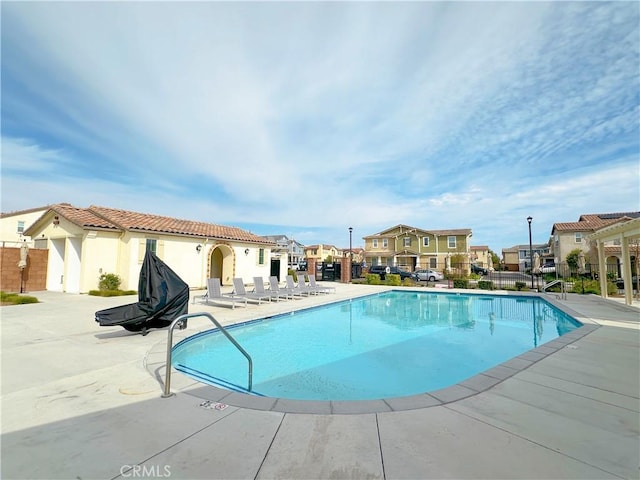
(221, 264)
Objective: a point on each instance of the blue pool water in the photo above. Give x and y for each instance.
(381, 346)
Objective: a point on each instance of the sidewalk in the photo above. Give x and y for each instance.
(81, 401)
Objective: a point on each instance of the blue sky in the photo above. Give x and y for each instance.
(307, 118)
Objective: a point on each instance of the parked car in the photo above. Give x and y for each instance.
(548, 268)
(427, 275)
(634, 282)
(478, 269)
(383, 270)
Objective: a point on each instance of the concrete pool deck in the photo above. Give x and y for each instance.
(83, 401)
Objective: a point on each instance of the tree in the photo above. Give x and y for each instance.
(572, 259)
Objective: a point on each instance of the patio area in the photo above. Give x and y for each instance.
(81, 401)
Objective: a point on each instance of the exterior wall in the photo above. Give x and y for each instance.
(34, 277)
(564, 243)
(9, 235)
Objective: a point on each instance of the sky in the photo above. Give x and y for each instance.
(307, 118)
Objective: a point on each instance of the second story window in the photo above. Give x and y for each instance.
(385, 243)
(407, 241)
(20, 227)
(425, 241)
(375, 243)
(451, 241)
(261, 256)
(578, 237)
(152, 244)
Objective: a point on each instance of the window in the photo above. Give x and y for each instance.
(152, 244)
(578, 237)
(433, 262)
(261, 256)
(425, 241)
(451, 240)
(407, 241)
(385, 243)
(20, 227)
(375, 243)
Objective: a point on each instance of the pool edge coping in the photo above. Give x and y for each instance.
(469, 387)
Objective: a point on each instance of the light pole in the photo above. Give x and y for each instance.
(530, 252)
(350, 255)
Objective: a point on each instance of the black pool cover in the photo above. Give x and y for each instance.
(162, 297)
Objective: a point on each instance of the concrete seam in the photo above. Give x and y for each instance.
(384, 474)
(179, 441)
(531, 441)
(264, 459)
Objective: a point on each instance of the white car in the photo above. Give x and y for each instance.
(549, 268)
(427, 275)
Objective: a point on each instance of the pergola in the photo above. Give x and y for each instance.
(625, 231)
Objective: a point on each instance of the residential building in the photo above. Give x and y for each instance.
(411, 248)
(321, 252)
(569, 236)
(479, 254)
(518, 257)
(14, 224)
(84, 243)
(292, 248)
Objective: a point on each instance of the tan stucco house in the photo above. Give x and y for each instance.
(84, 243)
(569, 236)
(411, 248)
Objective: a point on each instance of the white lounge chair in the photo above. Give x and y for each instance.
(318, 287)
(274, 286)
(291, 285)
(258, 283)
(240, 291)
(214, 294)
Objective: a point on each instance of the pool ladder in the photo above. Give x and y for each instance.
(181, 322)
(563, 288)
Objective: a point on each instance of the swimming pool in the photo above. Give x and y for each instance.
(393, 344)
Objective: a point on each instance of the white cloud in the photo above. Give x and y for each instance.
(439, 115)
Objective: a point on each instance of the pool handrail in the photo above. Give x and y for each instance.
(182, 321)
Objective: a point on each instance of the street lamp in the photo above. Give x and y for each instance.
(350, 255)
(530, 252)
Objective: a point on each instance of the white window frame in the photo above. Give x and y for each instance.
(375, 243)
(20, 227)
(151, 244)
(385, 243)
(577, 237)
(406, 241)
(425, 241)
(455, 241)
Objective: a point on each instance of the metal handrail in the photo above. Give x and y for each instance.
(182, 320)
(563, 287)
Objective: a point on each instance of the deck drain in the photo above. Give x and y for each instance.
(209, 405)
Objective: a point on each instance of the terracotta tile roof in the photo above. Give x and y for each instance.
(29, 210)
(127, 220)
(593, 221)
(114, 219)
(83, 217)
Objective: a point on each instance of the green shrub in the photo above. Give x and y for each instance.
(112, 293)
(109, 281)
(485, 285)
(407, 282)
(16, 299)
(372, 279)
(392, 279)
(520, 286)
(460, 283)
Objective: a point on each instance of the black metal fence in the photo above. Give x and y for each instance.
(583, 278)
